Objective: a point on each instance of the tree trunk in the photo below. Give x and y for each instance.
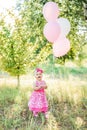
(18, 81)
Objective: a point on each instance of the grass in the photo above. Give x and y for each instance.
(67, 106)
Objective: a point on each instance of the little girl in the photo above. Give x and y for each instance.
(38, 102)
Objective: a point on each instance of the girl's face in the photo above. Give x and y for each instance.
(38, 75)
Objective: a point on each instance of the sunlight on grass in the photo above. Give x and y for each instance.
(79, 122)
(52, 123)
(67, 91)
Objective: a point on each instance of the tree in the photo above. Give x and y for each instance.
(31, 12)
(15, 50)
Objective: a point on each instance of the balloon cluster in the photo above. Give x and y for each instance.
(56, 29)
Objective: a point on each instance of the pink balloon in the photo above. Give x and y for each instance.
(51, 31)
(50, 11)
(61, 47)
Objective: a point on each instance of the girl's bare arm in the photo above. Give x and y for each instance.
(45, 87)
(36, 87)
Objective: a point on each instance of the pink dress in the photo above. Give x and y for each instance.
(38, 101)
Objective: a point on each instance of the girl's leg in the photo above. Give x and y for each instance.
(45, 117)
(45, 114)
(35, 113)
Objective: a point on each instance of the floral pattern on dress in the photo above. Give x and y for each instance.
(38, 101)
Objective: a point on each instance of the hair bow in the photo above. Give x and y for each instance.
(39, 70)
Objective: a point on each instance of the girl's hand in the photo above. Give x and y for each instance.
(44, 86)
(37, 87)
